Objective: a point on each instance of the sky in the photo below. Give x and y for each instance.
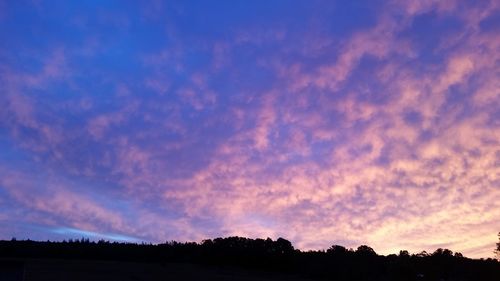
(323, 122)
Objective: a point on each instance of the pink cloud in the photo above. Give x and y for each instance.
(266, 118)
(56, 200)
(411, 199)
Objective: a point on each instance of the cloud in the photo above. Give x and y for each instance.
(266, 118)
(363, 137)
(95, 235)
(426, 180)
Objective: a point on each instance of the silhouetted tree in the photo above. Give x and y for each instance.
(365, 251)
(422, 254)
(497, 251)
(458, 255)
(336, 263)
(284, 246)
(404, 254)
(442, 253)
(337, 250)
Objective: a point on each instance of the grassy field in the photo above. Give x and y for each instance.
(76, 270)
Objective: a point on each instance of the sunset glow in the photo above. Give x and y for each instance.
(324, 122)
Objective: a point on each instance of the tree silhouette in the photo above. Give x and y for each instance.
(336, 263)
(497, 250)
(404, 253)
(365, 251)
(442, 253)
(337, 250)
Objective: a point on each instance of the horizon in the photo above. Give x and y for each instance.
(326, 122)
(107, 239)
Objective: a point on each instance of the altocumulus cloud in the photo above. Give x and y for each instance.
(321, 122)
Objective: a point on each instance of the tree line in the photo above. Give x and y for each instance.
(335, 263)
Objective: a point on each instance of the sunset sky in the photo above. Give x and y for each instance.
(323, 122)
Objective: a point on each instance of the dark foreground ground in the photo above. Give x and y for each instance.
(77, 270)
